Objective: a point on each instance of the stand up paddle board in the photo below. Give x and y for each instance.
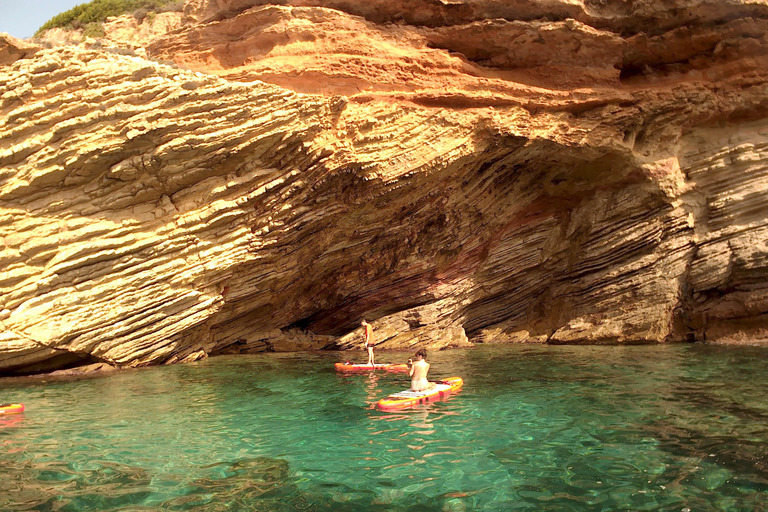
(405, 399)
(11, 408)
(350, 368)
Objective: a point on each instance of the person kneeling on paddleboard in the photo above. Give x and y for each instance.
(418, 371)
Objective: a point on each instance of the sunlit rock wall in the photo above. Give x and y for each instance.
(453, 172)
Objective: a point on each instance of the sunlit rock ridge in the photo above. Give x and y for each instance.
(261, 176)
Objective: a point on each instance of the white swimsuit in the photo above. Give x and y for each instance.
(419, 384)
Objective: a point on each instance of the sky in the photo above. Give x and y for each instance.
(22, 18)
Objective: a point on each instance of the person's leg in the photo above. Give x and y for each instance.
(370, 356)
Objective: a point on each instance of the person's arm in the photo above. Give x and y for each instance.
(410, 368)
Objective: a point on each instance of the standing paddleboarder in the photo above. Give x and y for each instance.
(369, 343)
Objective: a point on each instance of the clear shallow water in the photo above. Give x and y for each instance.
(535, 428)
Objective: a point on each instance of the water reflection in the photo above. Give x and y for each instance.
(11, 421)
(372, 388)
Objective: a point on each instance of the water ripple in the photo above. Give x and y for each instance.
(535, 428)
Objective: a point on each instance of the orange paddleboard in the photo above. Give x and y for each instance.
(405, 399)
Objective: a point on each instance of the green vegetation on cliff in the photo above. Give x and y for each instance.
(97, 11)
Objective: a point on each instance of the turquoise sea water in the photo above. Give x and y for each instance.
(677, 428)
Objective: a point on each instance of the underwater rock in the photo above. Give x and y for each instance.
(54, 485)
(243, 485)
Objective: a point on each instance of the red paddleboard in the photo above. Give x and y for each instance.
(353, 368)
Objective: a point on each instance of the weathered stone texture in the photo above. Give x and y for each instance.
(570, 172)
(12, 49)
(727, 294)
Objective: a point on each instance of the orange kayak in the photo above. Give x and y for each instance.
(11, 408)
(405, 399)
(350, 368)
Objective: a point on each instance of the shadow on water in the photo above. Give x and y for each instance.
(739, 456)
(709, 432)
(707, 401)
(720, 415)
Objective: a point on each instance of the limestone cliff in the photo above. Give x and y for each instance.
(454, 171)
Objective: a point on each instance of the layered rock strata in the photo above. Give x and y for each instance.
(453, 178)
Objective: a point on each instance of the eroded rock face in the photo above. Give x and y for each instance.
(463, 171)
(423, 48)
(12, 49)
